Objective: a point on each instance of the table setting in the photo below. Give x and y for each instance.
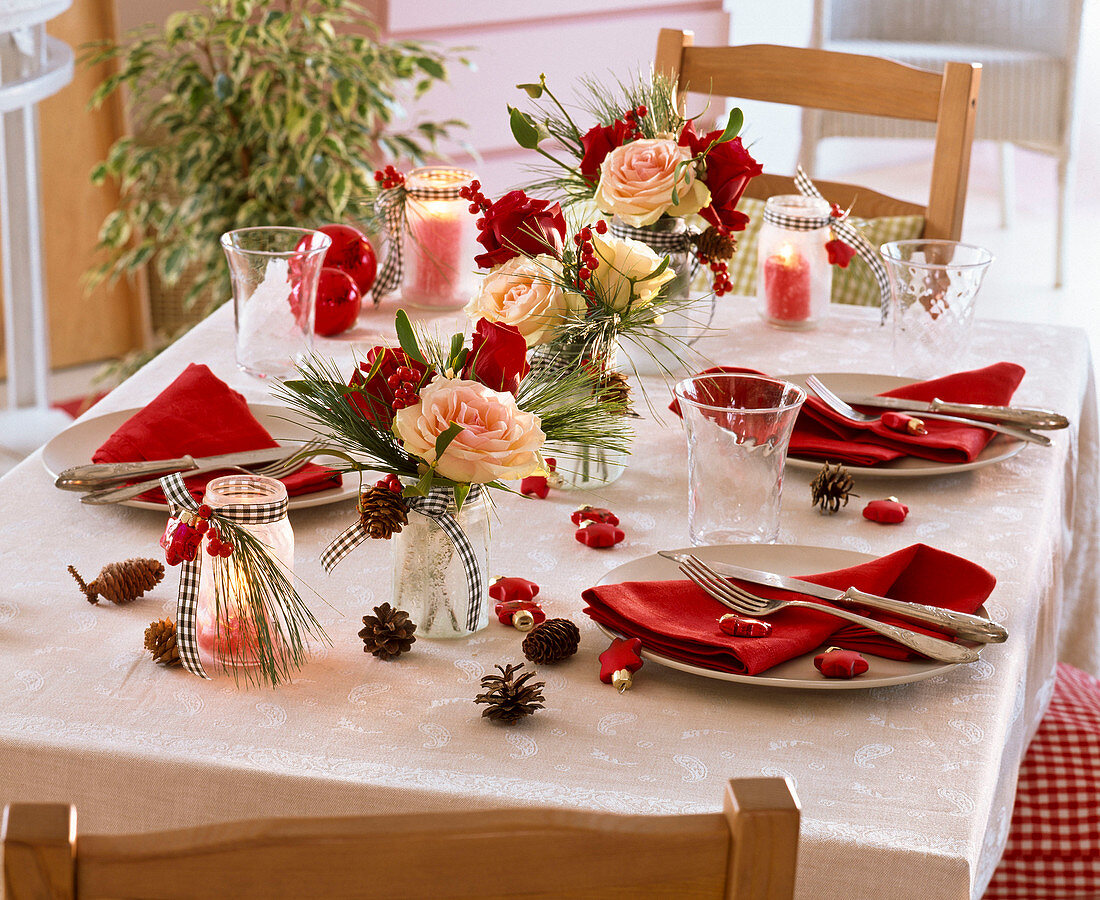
(476, 558)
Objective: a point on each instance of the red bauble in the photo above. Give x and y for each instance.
(351, 252)
(621, 659)
(888, 512)
(508, 588)
(837, 663)
(338, 302)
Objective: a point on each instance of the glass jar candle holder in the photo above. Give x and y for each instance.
(794, 279)
(440, 240)
(228, 630)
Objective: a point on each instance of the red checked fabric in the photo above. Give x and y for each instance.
(1053, 847)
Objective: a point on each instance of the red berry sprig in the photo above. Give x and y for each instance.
(392, 482)
(405, 384)
(389, 177)
(631, 121)
(216, 545)
(587, 262)
(720, 269)
(479, 203)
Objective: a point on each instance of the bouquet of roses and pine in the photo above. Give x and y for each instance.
(643, 163)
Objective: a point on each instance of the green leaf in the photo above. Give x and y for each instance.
(534, 91)
(423, 487)
(407, 337)
(524, 129)
(462, 491)
(658, 271)
(457, 342)
(344, 95)
(223, 87)
(733, 126)
(443, 441)
(432, 67)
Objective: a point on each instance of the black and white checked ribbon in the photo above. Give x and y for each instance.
(661, 242)
(843, 228)
(187, 604)
(393, 203)
(435, 506)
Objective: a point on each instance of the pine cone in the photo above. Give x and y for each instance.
(716, 244)
(383, 512)
(552, 641)
(832, 485)
(509, 698)
(388, 633)
(160, 640)
(122, 582)
(615, 388)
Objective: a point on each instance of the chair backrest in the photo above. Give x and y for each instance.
(845, 82)
(746, 851)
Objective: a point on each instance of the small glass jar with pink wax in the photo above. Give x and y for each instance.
(794, 279)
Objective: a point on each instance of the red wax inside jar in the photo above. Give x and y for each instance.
(787, 291)
(435, 240)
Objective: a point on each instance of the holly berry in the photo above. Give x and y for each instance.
(351, 252)
(392, 482)
(338, 302)
(389, 177)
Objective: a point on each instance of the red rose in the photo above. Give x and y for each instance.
(498, 356)
(374, 397)
(598, 141)
(517, 224)
(728, 169)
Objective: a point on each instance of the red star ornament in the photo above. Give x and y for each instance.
(837, 663)
(505, 588)
(620, 661)
(890, 511)
(599, 534)
(523, 615)
(593, 514)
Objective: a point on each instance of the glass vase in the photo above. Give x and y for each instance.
(429, 578)
(227, 631)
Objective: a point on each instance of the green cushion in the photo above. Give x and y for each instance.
(854, 285)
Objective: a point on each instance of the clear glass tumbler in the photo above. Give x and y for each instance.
(274, 273)
(933, 286)
(738, 428)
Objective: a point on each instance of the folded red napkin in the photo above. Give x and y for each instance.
(822, 434)
(198, 414)
(678, 620)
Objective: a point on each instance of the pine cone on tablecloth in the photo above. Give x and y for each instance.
(121, 582)
(509, 699)
(160, 640)
(552, 641)
(388, 633)
(832, 485)
(716, 244)
(383, 512)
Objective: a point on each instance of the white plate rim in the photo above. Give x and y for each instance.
(56, 459)
(783, 563)
(999, 449)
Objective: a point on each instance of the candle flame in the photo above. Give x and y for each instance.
(786, 254)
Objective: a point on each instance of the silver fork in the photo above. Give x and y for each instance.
(288, 465)
(841, 408)
(742, 601)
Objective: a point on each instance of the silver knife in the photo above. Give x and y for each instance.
(97, 475)
(969, 627)
(1012, 415)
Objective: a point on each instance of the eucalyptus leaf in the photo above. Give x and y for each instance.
(524, 128)
(733, 126)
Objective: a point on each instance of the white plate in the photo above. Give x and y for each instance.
(76, 444)
(785, 559)
(999, 449)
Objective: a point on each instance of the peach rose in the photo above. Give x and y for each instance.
(498, 439)
(526, 292)
(622, 276)
(636, 182)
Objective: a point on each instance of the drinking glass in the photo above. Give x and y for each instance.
(738, 428)
(274, 273)
(933, 287)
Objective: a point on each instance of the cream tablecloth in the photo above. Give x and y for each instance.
(906, 790)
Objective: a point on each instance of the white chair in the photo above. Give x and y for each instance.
(1028, 51)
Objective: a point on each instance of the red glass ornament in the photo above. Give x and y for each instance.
(896, 421)
(338, 302)
(352, 253)
(181, 539)
(535, 486)
(593, 514)
(837, 663)
(599, 534)
(506, 611)
(888, 512)
(743, 626)
(619, 661)
(505, 589)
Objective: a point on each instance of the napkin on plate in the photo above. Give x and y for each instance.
(198, 414)
(678, 620)
(820, 433)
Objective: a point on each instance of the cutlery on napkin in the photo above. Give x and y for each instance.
(677, 619)
(199, 415)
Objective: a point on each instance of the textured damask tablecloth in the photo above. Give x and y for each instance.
(906, 790)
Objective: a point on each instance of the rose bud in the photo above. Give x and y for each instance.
(887, 512)
(837, 663)
(599, 534)
(594, 514)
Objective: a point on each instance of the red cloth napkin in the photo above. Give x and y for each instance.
(678, 620)
(198, 414)
(820, 433)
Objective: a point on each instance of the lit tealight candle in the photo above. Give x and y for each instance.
(787, 289)
(437, 255)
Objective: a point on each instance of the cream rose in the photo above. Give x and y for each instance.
(498, 439)
(636, 182)
(525, 292)
(623, 273)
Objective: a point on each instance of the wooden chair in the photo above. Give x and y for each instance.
(746, 851)
(845, 82)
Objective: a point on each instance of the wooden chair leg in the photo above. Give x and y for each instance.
(39, 851)
(763, 815)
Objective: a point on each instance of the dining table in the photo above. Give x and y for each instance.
(906, 789)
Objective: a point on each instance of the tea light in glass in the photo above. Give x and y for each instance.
(794, 279)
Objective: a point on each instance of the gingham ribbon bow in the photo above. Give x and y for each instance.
(843, 228)
(662, 242)
(435, 507)
(187, 603)
(392, 204)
